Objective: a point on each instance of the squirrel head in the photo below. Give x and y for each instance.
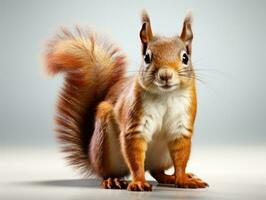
(166, 65)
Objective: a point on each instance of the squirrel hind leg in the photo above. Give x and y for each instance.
(163, 178)
(105, 151)
(114, 183)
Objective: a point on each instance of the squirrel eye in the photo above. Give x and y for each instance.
(148, 57)
(185, 58)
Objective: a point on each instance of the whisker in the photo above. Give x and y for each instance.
(193, 71)
(197, 60)
(193, 77)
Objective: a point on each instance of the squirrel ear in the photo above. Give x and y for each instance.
(145, 32)
(187, 34)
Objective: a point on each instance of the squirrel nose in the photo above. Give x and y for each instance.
(165, 75)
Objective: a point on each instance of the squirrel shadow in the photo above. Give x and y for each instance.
(79, 183)
(160, 191)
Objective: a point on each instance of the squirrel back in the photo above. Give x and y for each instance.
(91, 66)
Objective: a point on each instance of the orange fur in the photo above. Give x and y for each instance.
(180, 151)
(163, 178)
(103, 116)
(83, 58)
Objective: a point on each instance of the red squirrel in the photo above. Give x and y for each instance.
(112, 125)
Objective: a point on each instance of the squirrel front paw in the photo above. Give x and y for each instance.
(190, 181)
(139, 186)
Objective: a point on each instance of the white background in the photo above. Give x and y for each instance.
(228, 50)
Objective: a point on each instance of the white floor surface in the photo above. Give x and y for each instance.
(237, 172)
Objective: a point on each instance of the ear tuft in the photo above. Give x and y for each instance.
(145, 17)
(187, 34)
(146, 32)
(189, 17)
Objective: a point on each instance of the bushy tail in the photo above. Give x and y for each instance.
(91, 66)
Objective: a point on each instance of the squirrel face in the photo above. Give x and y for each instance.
(166, 64)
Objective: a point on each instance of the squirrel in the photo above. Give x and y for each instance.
(113, 125)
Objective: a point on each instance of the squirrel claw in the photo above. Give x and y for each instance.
(114, 183)
(139, 186)
(191, 181)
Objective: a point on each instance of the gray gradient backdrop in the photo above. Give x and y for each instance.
(229, 47)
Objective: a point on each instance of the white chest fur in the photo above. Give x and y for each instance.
(166, 116)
